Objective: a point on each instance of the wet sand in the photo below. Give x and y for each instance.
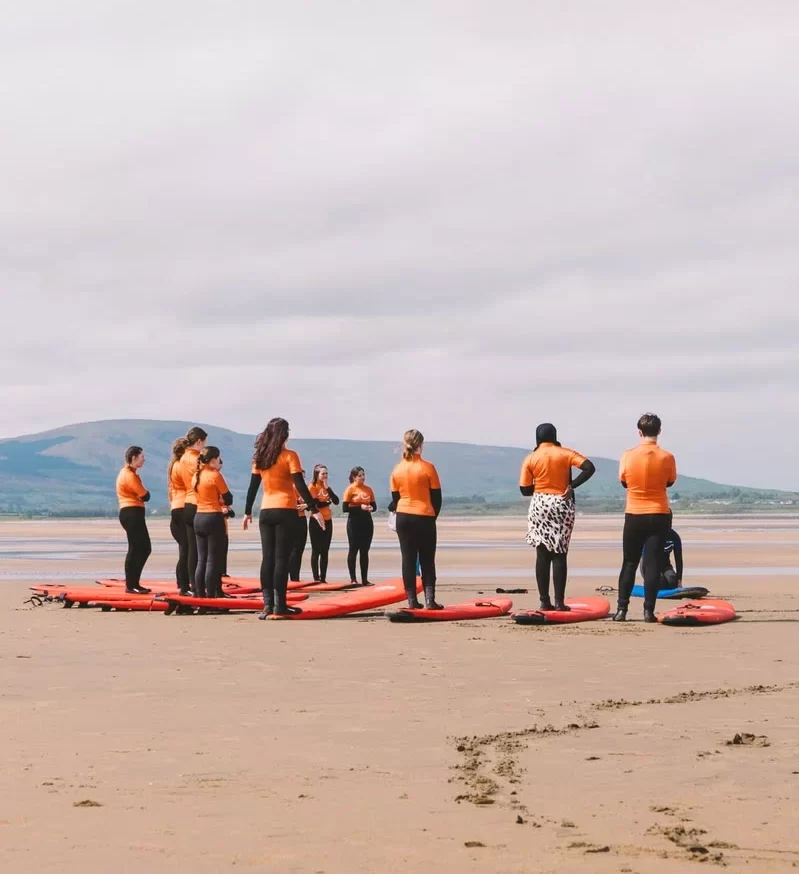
(220, 743)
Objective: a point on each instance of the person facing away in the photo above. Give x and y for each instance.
(213, 500)
(416, 499)
(132, 496)
(646, 471)
(279, 470)
(546, 479)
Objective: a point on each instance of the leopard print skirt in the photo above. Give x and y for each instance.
(550, 522)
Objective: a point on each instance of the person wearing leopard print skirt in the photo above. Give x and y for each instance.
(546, 479)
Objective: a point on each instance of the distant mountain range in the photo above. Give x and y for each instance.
(73, 469)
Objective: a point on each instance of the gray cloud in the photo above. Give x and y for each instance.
(465, 216)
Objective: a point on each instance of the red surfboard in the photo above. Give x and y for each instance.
(481, 609)
(251, 604)
(362, 598)
(582, 610)
(98, 594)
(85, 594)
(695, 613)
(153, 605)
(171, 586)
(253, 584)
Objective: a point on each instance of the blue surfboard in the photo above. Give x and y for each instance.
(692, 592)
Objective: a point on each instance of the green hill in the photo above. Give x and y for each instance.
(71, 470)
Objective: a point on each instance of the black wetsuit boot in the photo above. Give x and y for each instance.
(430, 599)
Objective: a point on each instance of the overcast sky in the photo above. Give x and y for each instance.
(465, 217)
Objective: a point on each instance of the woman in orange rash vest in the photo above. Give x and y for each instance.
(132, 497)
(177, 524)
(323, 494)
(213, 500)
(416, 499)
(545, 478)
(279, 471)
(187, 467)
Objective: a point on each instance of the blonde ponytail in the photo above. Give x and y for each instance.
(411, 443)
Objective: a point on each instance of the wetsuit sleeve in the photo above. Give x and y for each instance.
(587, 471)
(395, 499)
(671, 476)
(145, 497)
(677, 554)
(435, 500)
(252, 491)
(302, 488)
(333, 496)
(345, 507)
(224, 492)
(527, 491)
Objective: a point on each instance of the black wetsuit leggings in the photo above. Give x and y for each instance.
(320, 548)
(544, 560)
(224, 554)
(360, 531)
(417, 538)
(211, 544)
(645, 533)
(278, 528)
(298, 547)
(177, 527)
(139, 547)
(189, 512)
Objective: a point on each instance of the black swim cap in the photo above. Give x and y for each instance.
(545, 433)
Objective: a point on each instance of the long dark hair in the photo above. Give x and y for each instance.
(132, 452)
(354, 472)
(194, 434)
(179, 447)
(269, 443)
(208, 454)
(317, 469)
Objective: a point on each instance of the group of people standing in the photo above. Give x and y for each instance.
(645, 471)
(201, 505)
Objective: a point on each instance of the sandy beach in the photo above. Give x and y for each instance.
(135, 742)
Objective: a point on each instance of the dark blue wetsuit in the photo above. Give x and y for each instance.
(671, 575)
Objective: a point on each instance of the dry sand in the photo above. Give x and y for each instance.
(220, 743)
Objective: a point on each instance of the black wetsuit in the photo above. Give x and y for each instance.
(642, 541)
(177, 528)
(277, 528)
(360, 531)
(418, 539)
(320, 540)
(670, 575)
(211, 537)
(189, 512)
(132, 519)
(298, 547)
